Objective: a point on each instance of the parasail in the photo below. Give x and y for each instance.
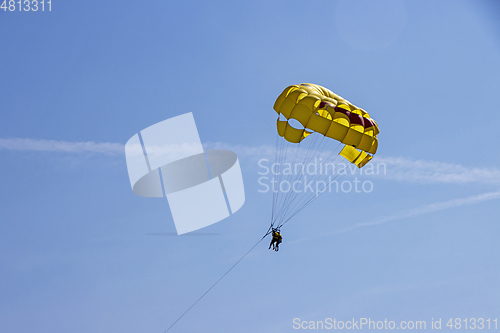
(313, 123)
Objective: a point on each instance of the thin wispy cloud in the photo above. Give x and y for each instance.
(254, 152)
(414, 212)
(424, 171)
(427, 209)
(26, 144)
(401, 169)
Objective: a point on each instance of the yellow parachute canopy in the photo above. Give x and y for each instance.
(322, 111)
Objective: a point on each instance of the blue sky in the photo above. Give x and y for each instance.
(79, 252)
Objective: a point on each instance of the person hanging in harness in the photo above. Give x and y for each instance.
(276, 240)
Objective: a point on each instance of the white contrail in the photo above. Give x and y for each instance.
(426, 209)
(417, 211)
(26, 144)
(401, 169)
(424, 171)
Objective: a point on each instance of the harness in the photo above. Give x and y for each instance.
(277, 236)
